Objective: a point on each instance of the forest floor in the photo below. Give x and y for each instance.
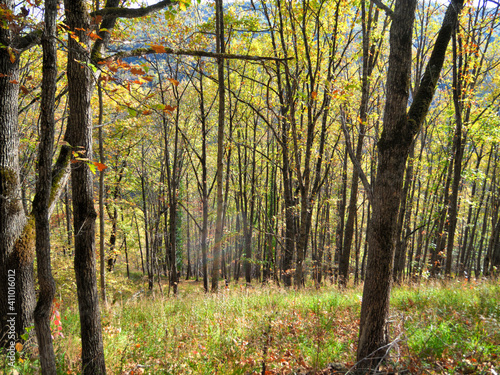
(437, 328)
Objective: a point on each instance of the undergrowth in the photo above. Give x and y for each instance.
(438, 328)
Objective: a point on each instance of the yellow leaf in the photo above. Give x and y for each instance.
(11, 55)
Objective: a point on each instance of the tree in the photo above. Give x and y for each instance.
(44, 184)
(17, 229)
(399, 131)
(219, 15)
(79, 136)
(370, 55)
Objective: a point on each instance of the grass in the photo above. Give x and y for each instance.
(442, 328)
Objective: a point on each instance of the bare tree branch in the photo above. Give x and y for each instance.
(384, 7)
(119, 12)
(180, 52)
(30, 40)
(354, 160)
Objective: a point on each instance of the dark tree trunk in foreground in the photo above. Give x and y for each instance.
(43, 187)
(17, 232)
(79, 136)
(400, 129)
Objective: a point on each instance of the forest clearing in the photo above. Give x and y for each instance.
(249, 187)
(436, 328)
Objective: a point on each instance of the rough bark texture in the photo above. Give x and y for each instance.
(393, 150)
(399, 131)
(43, 188)
(79, 136)
(16, 236)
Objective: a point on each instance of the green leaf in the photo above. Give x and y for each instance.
(92, 168)
(132, 112)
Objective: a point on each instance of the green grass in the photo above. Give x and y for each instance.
(443, 328)
(451, 328)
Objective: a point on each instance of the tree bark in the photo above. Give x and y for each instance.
(400, 129)
(79, 136)
(43, 187)
(17, 232)
(219, 225)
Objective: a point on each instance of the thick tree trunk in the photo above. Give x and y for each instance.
(79, 136)
(17, 233)
(393, 148)
(400, 129)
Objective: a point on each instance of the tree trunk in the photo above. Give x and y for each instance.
(400, 129)
(79, 136)
(17, 233)
(102, 261)
(42, 200)
(458, 147)
(220, 147)
(341, 205)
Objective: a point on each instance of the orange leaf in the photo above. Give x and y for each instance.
(94, 36)
(314, 95)
(158, 48)
(147, 112)
(147, 78)
(13, 81)
(137, 71)
(19, 347)
(169, 108)
(100, 166)
(174, 82)
(24, 90)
